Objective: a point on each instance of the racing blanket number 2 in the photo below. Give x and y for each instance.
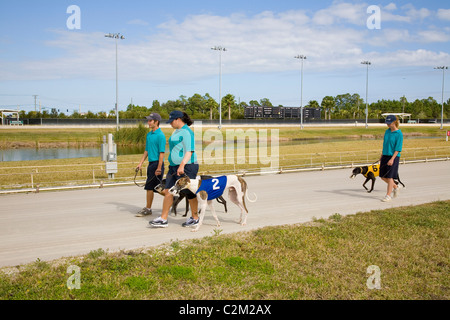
(213, 187)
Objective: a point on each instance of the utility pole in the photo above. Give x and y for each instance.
(35, 97)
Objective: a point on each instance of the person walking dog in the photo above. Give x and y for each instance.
(390, 157)
(182, 161)
(155, 147)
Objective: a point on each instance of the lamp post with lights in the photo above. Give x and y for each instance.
(121, 37)
(301, 57)
(368, 63)
(220, 49)
(443, 68)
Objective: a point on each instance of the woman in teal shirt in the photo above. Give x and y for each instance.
(390, 157)
(182, 161)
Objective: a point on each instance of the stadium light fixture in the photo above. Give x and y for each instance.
(301, 57)
(443, 68)
(121, 37)
(368, 63)
(220, 49)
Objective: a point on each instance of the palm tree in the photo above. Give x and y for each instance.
(328, 103)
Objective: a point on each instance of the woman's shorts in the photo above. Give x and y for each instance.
(190, 170)
(389, 171)
(152, 179)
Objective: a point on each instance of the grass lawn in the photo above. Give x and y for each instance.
(323, 259)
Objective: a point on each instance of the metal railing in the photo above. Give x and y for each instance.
(71, 176)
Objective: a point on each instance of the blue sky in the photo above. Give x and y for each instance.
(167, 51)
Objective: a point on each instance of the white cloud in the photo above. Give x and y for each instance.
(138, 22)
(342, 13)
(416, 15)
(387, 37)
(391, 7)
(387, 16)
(409, 14)
(433, 36)
(333, 39)
(418, 57)
(444, 14)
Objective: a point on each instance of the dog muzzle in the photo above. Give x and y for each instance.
(175, 191)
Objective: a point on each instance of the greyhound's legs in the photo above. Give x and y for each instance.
(202, 204)
(237, 198)
(211, 206)
(244, 212)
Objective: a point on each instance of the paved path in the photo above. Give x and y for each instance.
(51, 225)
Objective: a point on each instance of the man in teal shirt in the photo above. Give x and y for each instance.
(155, 147)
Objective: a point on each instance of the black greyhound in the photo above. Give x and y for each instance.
(370, 173)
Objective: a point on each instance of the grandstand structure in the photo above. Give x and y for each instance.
(255, 112)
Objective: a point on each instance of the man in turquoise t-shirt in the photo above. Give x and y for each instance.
(155, 147)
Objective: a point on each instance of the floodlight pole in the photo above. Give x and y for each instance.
(442, 110)
(220, 49)
(116, 36)
(301, 57)
(367, 89)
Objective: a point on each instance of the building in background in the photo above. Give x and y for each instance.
(255, 112)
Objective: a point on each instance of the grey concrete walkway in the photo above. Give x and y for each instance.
(51, 225)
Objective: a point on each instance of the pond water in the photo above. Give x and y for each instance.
(23, 154)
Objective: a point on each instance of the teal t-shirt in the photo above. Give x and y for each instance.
(393, 141)
(155, 144)
(180, 142)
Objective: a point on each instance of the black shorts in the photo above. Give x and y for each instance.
(152, 179)
(389, 171)
(190, 170)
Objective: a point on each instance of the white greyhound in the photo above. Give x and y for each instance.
(210, 189)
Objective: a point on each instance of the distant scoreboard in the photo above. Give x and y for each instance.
(253, 112)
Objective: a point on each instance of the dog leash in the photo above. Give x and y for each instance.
(135, 175)
(143, 185)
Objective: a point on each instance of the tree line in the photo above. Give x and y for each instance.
(343, 106)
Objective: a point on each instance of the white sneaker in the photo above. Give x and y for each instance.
(386, 198)
(397, 191)
(159, 223)
(190, 222)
